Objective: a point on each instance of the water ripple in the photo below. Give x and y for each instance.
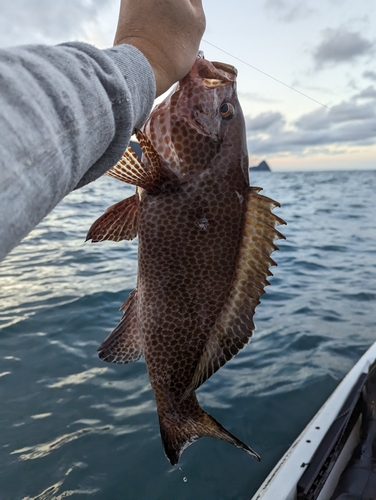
(74, 426)
(78, 378)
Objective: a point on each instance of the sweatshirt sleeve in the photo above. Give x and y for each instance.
(66, 116)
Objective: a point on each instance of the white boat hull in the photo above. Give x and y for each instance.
(281, 484)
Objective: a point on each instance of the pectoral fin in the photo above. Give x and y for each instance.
(234, 326)
(146, 174)
(119, 222)
(124, 344)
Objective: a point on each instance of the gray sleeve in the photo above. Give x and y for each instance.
(66, 116)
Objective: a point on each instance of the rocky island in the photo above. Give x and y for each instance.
(262, 167)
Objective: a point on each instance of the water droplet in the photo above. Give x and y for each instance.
(185, 479)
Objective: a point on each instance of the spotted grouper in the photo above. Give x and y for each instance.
(205, 239)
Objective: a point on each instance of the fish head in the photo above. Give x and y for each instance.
(201, 116)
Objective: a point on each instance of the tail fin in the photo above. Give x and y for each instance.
(180, 431)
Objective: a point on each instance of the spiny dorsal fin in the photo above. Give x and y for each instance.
(234, 326)
(124, 344)
(134, 171)
(119, 222)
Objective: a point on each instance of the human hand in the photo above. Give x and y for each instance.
(167, 32)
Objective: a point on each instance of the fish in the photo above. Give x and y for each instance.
(205, 237)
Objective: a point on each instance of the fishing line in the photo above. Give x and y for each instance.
(289, 87)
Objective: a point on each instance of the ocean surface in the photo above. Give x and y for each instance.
(73, 426)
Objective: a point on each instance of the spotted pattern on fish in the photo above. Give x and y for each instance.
(205, 239)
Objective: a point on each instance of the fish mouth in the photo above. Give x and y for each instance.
(216, 74)
(227, 68)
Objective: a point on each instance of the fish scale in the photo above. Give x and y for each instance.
(205, 239)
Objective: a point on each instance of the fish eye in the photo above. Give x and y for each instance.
(227, 111)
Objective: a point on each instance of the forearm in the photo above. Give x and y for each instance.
(66, 116)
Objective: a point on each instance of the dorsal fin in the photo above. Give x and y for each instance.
(119, 222)
(234, 326)
(124, 344)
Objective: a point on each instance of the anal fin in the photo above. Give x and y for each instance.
(124, 344)
(119, 222)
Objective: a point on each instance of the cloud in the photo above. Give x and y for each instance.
(289, 11)
(47, 21)
(347, 111)
(265, 121)
(346, 124)
(341, 45)
(255, 96)
(368, 93)
(316, 120)
(370, 75)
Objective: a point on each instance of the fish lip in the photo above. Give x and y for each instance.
(215, 74)
(227, 68)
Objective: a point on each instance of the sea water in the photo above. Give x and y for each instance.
(75, 426)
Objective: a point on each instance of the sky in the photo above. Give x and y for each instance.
(324, 49)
